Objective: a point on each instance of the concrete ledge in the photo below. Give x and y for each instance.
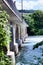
(12, 55)
(16, 48)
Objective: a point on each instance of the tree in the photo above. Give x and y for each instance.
(38, 18)
(35, 21)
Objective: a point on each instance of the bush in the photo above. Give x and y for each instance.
(4, 29)
(39, 32)
(37, 45)
(5, 60)
(4, 37)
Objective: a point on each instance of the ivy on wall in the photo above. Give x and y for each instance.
(4, 37)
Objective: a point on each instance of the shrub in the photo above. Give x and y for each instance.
(4, 29)
(4, 37)
(5, 60)
(37, 45)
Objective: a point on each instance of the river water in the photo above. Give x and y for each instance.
(27, 55)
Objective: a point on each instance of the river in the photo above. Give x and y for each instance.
(27, 55)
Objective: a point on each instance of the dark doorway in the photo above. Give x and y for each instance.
(17, 34)
(12, 39)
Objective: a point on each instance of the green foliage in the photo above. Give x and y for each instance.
(4, 29)
(5, 60)
(4, 37)
(38, 19)
(35, 22)
(39, 32)
(37, 45)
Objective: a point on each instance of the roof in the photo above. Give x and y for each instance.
(11, 5)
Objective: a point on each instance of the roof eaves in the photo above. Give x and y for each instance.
(12, 10)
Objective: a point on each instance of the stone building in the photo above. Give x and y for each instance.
(18, 26)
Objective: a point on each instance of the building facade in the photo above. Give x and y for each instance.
(18, 26)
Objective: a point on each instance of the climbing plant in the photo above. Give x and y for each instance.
(4, 36)
(4, 29)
